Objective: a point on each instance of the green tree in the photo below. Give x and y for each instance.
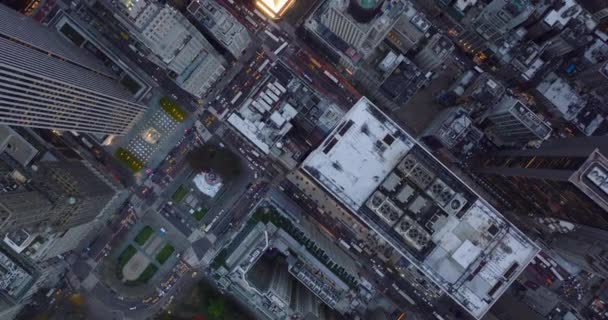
(220, 160)
(216, 308)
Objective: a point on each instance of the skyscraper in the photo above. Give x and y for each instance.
(500, 16)
(495, 22)
(515, 124)
(565, 179)
(47, 82)
(434, 53)
(56, 197)
(177, 45)
(586, 247)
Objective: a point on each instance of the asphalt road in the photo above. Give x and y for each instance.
(241, 197)
(383, 283)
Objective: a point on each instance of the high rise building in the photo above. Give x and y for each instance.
(568, 40)
(177, 45)
(17, 281)
(566, 179)
(495, 22)
(500, 16)
(222, 25)
(304, 302)
(281, 284)
(434, 53)
(49, 83)
(594, 77)
(515, 124)
(585, 247)
(353, 29)
(55, 197)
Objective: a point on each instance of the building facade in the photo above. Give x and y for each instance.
(515, 124)
(56, 197)
(177, 45)
(566, 179)
(434, 53)
(586, 247)
(224, 27)
(49, 83)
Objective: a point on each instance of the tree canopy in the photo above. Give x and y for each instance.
(211, 157)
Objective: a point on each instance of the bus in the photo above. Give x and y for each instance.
(406, 297)
(271, 35)
(279, 49)
(251, 21)
(264, 64)
(378, 271)
(307, 77)
(330, 76)
(208, 227)
(344, 244)
(236, 97)
(438, 316)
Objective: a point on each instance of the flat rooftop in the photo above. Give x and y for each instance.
(415, 203)
(358, 154)
(592, 178)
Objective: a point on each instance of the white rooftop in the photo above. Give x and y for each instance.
(207, 186)
(561, 95)
(481, 247)
(264, 118)
(360, 158)
(599, 177)
(476, 255)
(560, 17)
(462, 5)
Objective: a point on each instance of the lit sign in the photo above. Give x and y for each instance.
(274, 8)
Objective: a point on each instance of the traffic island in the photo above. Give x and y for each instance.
(135, 267)
(142, 237)
(172, 109)
(164, 253)
(129, 159)
(144, 276)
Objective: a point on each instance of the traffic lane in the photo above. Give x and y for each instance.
(177, 222)
(99, 243)
(81, 269)
(179, 290)
(226, 209)
(234, 216)
(109, 298)
(237, 189)
(381, 282)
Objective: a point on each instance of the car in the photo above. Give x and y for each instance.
(133, 308)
